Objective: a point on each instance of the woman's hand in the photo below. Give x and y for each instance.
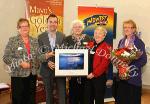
(90, 76)
(109, 83)
(25, 65)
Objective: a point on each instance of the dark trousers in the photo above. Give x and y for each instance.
(23, 89)
(95, 90)
(61, 86)
(76, 90)
(48, 82)
(115, 87)
(128, 94)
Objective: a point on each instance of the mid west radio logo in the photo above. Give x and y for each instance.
(96, 19)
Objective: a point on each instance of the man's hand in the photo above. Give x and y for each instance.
(25, 65)
(49, 54)
(51, 65)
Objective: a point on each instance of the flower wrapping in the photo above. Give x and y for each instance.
(125, 56)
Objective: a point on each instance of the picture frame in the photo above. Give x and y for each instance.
(71, 62)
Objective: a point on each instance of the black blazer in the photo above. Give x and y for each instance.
(43, 40)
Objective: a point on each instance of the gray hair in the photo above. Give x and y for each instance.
(102, 29)
(77, 22)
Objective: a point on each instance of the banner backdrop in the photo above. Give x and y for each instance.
(94, 16)
(97, 16)
(37, 12)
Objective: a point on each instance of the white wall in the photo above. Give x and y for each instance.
(11, 11)
(137, 10)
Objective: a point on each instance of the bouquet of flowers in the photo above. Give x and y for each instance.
(124, 57)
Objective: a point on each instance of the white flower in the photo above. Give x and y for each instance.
(125, 53)
(85, 43)
(20, 48)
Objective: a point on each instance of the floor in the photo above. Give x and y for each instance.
(5, 97)
(145, 97)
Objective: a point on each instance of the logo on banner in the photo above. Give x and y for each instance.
(96, 19)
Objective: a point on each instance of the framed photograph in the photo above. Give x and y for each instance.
(71, 62)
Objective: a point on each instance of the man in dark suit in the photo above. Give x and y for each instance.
(48, 42)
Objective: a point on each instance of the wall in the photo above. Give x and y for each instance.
(137, 10)
(11, 11)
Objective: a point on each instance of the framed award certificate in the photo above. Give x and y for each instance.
(71, 62)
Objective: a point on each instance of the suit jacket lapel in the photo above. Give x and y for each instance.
(47, 42)
(32, 46)
(57, 38)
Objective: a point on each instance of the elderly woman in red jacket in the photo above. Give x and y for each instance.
(99, 60)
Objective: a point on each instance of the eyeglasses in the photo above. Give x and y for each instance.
(55, 22)
(77, 26)
(128, 27)
(23, 26)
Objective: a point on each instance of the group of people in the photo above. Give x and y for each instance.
(23, 57)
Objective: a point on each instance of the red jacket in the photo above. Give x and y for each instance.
(101, 59)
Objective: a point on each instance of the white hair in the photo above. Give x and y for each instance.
(77, 22)
(102, 29)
